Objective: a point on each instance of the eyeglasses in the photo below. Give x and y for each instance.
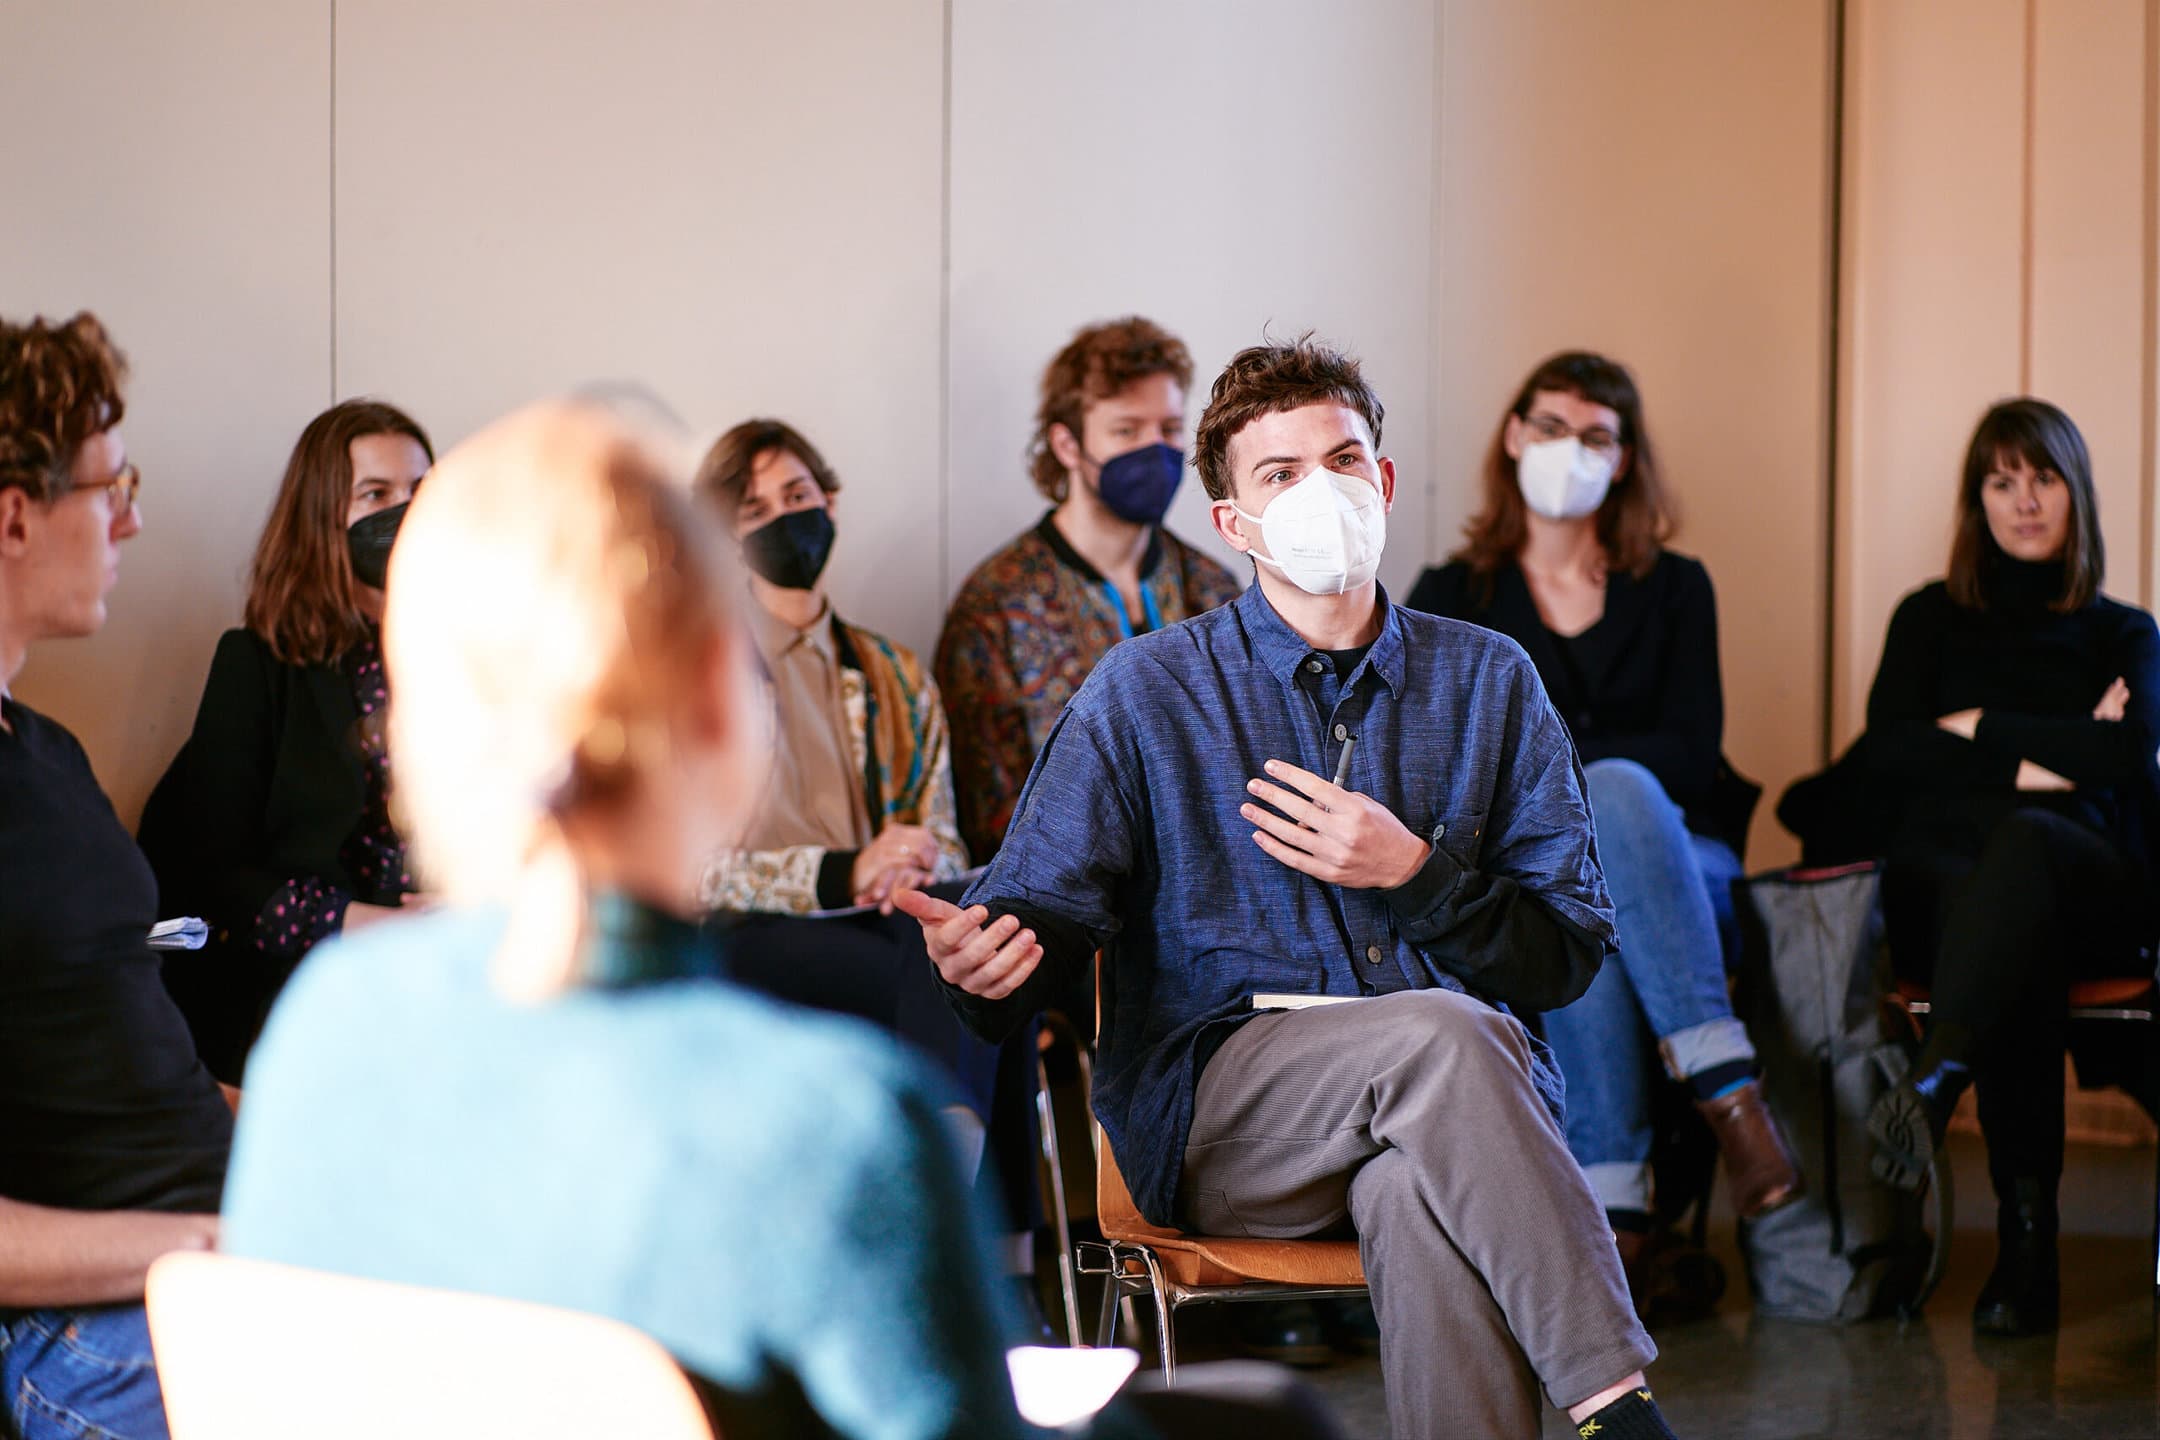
(121, 490)
(1597, 439)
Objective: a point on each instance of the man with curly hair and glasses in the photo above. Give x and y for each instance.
(113, 1137)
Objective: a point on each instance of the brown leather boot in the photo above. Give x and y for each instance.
(1759, 1163)
(1670, 1281)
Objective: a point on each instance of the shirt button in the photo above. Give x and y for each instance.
(1314, 666)
(1342, 732)
(1439, 832)
(1372, 954)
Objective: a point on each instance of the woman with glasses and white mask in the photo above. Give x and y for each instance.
(1567, 557)
(273, 822)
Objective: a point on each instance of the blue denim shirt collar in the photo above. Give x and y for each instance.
(1282, 650)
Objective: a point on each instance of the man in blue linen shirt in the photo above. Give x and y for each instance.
(1179, 820)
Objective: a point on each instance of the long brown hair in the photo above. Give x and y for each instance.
(1637, 517)
(302, 598)
(2047, 440)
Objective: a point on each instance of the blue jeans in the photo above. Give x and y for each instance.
(1663, 994)
(79, 1375)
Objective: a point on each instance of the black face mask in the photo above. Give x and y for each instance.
(368, 541)
(790, 549)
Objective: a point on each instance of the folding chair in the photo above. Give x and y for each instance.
(2135, 999)
(1175, 1269)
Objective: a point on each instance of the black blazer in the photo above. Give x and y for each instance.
(268, 788)
(1641, 684)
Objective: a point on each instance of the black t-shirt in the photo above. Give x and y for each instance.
(103, 1103)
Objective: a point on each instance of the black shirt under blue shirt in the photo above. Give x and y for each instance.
(103, 1103)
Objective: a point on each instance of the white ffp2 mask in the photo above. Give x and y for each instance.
(1561, 480)
(1325, 533)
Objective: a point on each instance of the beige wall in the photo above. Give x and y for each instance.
(1266, 177)
(1652, 181)
(880, 219)
(1998, 238)
(170, 168)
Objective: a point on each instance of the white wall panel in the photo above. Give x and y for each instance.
(1227, 177)
(738, 204)
(168, 168)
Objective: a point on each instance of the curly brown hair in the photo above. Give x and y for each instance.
(1267, 380)
(724, 474)
(302, 598)
(1637, 518)
(1094, 365)
(59, 386)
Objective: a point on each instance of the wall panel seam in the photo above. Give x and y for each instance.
(2026, 323)
(2149, 349)
(945, 306)
(332, 87)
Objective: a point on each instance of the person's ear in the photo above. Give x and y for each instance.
(1064, 445)
(18, 519)
(1513, 436)
(1223, 515)
(1387, 484)
(1625, 463)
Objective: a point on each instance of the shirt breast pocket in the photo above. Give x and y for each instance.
(1461, 835)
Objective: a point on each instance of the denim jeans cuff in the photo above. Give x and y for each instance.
(1619, 1184)
(1697, 1048)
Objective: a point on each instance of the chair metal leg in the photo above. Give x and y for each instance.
(1068, 1281)
(1165, 1316)
(1106, 1326)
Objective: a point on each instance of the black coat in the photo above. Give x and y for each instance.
(268, 788)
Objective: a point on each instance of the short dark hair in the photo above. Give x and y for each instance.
(1094, 365)
(725, 473)
(1268, 379)
(2046, 439)
(59, 386)
(1637, 516)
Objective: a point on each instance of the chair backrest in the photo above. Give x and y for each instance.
(248, 1350)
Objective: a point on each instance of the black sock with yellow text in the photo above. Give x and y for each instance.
(1634, 1416)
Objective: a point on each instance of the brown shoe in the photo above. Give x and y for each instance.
(1759, 1163)
(1670, 1281)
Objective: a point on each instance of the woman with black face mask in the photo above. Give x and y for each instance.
(273, 821)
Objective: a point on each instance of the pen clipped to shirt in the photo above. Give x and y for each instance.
(1342, 766)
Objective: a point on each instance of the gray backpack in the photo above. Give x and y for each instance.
(1812, 987)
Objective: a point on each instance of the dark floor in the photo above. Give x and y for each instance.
(1736, 1376)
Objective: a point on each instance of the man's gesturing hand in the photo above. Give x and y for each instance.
(1332, 834)
(981, 958)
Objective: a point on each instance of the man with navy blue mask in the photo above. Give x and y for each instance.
(1035, 617)
(1182, 823)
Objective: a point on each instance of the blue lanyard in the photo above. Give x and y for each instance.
(1152, 615)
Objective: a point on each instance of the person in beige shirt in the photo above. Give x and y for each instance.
(861, 798)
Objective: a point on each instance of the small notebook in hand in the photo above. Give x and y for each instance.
(186, 933)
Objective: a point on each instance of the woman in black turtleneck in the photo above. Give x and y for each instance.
(2017, 714)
